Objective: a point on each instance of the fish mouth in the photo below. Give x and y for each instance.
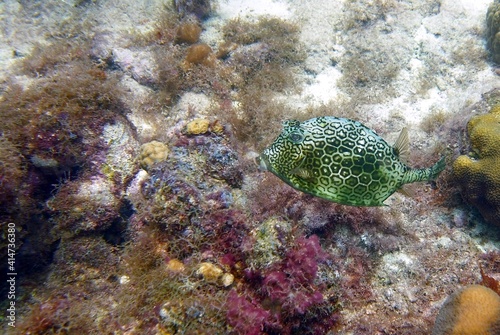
(262, 162)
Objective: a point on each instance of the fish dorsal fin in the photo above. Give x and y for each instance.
(402, 146)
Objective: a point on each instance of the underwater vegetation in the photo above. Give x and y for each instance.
(205, 238)
(188, 32)
(254, 60)
(67, 150)
(52, 146)
(288, 300)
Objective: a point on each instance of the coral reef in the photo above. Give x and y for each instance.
(199, 241)
(197, 126)
(214, 274)
(492, 29)
(175, 265)
(269, 242)
(60, 308)
(472, 310)
(12, 170)
(59, 156)
(83, 206)
(153, 152)
(478, 174)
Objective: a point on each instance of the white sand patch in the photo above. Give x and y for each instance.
(230, 9)
(323, 88)
(431, 76)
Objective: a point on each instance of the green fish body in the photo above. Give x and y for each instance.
(342, 160)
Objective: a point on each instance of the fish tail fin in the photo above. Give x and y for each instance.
(437, 168)
(426, 174)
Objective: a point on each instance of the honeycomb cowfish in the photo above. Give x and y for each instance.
(343, 161)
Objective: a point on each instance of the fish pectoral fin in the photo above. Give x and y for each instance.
(407, 191)
(402, 146)
(303, 173)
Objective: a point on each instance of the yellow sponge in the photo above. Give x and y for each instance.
(474, 310)
(153, 152)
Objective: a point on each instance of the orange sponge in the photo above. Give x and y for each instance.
(188, 33)
(474, 310)
(199, 53)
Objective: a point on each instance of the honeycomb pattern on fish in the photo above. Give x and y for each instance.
(341, 160)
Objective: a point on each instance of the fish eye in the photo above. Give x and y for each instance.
(296, 137)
